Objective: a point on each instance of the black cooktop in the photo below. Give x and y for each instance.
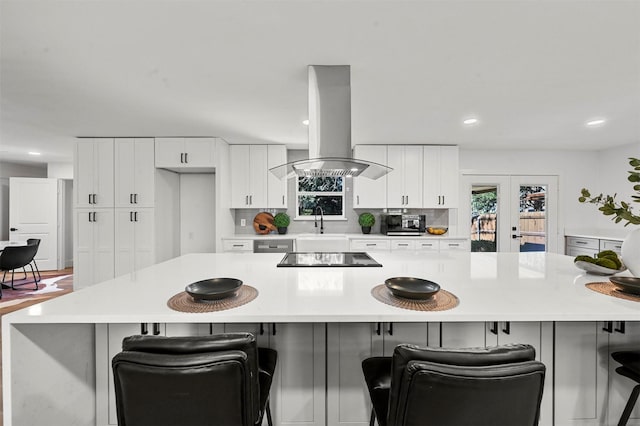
(332, 259)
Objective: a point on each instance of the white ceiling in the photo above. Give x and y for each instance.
(532, 71)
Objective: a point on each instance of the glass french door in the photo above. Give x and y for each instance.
(511, 213)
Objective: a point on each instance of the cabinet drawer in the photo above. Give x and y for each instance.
(430, 245)
(462, 245)
(403, 245)
(611, 245)
(237, 245)
(370, 245)
(589, 243)
(579, 251)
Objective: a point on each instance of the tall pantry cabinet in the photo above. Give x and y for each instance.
(114, 208)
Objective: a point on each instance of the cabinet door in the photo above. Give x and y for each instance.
(94, 162)
(104, 243)
(240, 189)
(462, 334)
(258, 169)
(276, 188)
(144, 173)
(348, 344)
(404, 332)
(169, 152)
(441, 177)
(83, 247)
(624, 337)
(134, 240)
(125, 165)
(199, 152)
(298, 389)
(413, 176)
(449, 245)
(580, 381)
(94, 246)
(395, 178)
(370, 193)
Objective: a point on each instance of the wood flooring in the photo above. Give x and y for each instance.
(67, 286)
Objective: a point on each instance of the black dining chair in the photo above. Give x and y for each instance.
(493, 386)
(36, 242)
(630, 368)
(220, 379)
(16, 257)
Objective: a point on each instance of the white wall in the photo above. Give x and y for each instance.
(197, 213)
(60, 170)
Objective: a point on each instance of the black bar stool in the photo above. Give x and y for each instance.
(630, 368)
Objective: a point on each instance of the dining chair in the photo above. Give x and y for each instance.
(221, 379)
(500, 385)
(16, 257)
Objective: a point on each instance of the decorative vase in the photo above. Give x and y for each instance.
(282, 230)
(366, 229)
(631, 252)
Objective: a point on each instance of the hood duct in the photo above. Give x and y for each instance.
(330, 129)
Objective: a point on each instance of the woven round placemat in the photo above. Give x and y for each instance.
(441, 301)
(611, 290)
(184, 303)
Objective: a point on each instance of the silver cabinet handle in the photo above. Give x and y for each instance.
(357, 199)
(250, 199)
(186, 157)
(182, 157)
(283, 200)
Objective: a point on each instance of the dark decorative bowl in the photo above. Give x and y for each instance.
(412, 288)
(626, 284)
(213, 288)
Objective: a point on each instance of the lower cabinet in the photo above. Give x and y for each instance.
(537, 334)
(588, 390)
(348, 344)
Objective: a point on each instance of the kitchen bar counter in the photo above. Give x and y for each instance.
(490, 286)
(50, 348)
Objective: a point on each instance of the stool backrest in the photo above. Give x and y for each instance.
(479, 386)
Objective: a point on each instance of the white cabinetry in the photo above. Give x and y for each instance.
(588, 391)
(134, 239)
(370, 245)
(235, 245)
(185, 153)
(93, 171)
(404, 183)
(459, 245)
(252, 184)
(577, 246)
(276, 188)
(134, 172)
(93, 246)
(441, 177)
(370, 193)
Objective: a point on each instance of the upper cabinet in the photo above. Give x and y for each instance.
(185, 153)
(252, 185)
(94, 173)
(276, 188)
(134, 172)
(440, 177)
(404, 183)
(370, 193)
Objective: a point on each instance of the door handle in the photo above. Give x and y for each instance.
(186, 157)
(13, 229)
(135, 198)
(130, 216)
(507, 327)
(621, 327)
(357, 199)
(378, 329)
(130, 198)
(390, 330)
(90, 199)
(156, 328)
(514, 236)
(261, 328)
(144, 329)
(135, 216)
(494, 328)
(182, 157)
(608, 327)
(95, 198)
(273, 330)
(283, 200)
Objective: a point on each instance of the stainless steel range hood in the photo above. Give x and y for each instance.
(330, 129)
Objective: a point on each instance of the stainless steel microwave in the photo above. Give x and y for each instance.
(403, 224)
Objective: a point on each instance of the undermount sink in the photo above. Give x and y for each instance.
(322, 242)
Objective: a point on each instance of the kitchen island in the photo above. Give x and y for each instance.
(54, 352)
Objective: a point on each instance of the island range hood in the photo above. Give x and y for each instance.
(330, 130)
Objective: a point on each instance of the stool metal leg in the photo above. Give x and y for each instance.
(269, 419)
(372, 422)
(629, 407)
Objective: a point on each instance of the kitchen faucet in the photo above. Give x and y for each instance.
(315, 216)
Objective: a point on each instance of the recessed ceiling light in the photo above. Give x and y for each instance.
(470, 121)
(596, 122)
(33, 153)
(305, 122)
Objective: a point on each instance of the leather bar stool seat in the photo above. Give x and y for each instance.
(630, 367)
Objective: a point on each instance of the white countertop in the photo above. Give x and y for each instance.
(490, 286)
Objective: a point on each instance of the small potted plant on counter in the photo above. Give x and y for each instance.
(281, 221)
(366, 221)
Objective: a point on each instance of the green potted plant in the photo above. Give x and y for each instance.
(366, 221)
(620, 211)
(281, 221)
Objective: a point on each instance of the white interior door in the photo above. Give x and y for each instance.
(33, 213)
(511, 213)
